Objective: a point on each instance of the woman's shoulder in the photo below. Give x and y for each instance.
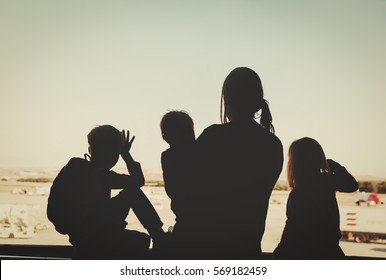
(214, 128)
(275, 140)
(213, 131)
(268, 134)
(250, 130)
(269, 139)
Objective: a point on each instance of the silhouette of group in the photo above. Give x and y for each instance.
(219, 185)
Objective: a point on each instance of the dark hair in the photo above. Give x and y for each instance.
(306, 158)
(243, 91)
(177, 125)
(104, 140)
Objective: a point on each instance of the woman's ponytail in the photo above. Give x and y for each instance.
(266, 117)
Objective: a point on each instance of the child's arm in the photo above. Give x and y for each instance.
(345, 181)
(136, 178)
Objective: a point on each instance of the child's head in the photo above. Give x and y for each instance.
(105, 144)
(306, 159)
(177, 127)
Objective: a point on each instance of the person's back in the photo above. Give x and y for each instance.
(236, 184)
(72, 196)
(313, 212)
(177, 166)
(312, 205)
(237, 166)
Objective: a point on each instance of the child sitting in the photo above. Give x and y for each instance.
(80, 202)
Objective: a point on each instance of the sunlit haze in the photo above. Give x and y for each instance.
(67, 66)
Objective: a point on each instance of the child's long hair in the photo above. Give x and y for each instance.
(306, 159)
(243, 91)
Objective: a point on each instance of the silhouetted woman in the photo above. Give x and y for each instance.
(239, 162)
(312, 227)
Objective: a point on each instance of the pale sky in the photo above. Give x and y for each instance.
(67, 66)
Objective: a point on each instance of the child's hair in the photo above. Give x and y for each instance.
(177, 126)
(105, 141)
(242, 90)
(306, 159)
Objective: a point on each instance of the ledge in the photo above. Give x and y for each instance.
(65, 252)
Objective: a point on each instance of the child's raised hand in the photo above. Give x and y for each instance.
(334, 166)
(127, 143)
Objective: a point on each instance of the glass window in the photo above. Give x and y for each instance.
(65, 69)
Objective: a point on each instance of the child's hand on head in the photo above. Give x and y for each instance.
(127, 143)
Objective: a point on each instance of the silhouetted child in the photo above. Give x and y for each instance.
(177, 130)
(312, 228)
(80, 202)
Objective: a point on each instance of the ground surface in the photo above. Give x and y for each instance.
(274, 225)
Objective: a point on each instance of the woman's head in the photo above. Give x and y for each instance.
(306, 159)
(242, 97)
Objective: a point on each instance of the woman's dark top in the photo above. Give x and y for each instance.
(237, 166)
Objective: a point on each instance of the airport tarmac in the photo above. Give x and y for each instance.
(274, 224)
